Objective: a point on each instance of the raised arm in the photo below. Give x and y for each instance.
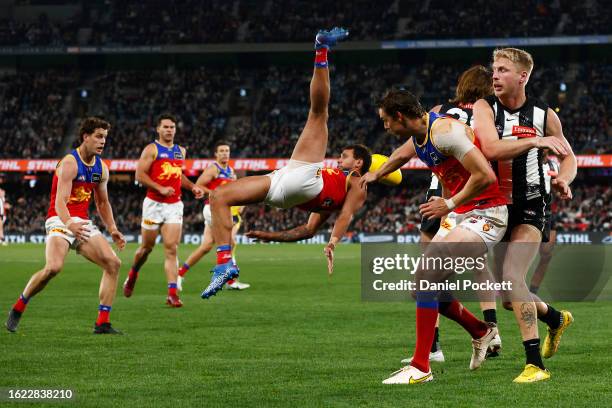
(398, 158)
(303, 231)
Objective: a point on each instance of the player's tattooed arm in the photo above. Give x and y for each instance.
(304, 231)
(528, 314)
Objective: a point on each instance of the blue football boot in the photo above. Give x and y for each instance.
(327, 39)
(221, 274)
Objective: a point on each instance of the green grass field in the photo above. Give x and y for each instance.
(295, 338)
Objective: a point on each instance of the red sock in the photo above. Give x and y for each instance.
(456, 311)
(321, 57)
(183, 269)
(103, 314)
(426, 316)
(21, 304)
(224, 254)
(229, 282)
(133, 273)
(172, 289)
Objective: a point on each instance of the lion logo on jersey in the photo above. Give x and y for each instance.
(79, 194)
(170, 171)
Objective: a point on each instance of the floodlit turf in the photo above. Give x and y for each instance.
(296, 337)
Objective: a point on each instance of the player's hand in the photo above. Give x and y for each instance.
(434, 208)
(329, 253)
(197, 192)
(553, 143)
(262, 236)
(118, 239)
(367, 179)
(79, 229)
(562, 187)
(166, 191)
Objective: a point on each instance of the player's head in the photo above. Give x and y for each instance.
(511, 70)
(166, 127)
(355, 157)
(474, 84)
(222, 152)
(401, 112)
(92, 134)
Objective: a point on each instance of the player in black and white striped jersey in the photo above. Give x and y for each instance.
(551, 169)
(512, 129)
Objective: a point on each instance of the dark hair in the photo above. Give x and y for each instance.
(401, 100)
(90, 124)
(220, 143)
(474, 84)
(361, 152)
(168, 116)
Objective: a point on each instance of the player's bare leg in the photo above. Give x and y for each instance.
(171, 236)
(140, 257)
(55, 252)
(546, 252)
(310, 148)
(98, 250)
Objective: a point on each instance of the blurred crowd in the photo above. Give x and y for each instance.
(262, 110)
(131, 22)
(387, 210)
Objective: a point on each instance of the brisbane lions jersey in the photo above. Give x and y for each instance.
(226, 175)
(167, 170)
(88, 176)
(333, 194)
(452, 174)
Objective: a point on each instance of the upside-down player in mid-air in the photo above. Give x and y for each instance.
(77, 176)
(160, 171)
(302, 183)
(215, 175)
(447, 147)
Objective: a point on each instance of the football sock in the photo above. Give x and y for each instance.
(426, 316)
(490, 315)
(456, 311)
(183, 269)
(321, 57)
(224, 254)
(103, 314)
(172, 289)
(532, 352)
(231, 281)
(552, 318)
(21, 303)
(133, 272)
(435, 346)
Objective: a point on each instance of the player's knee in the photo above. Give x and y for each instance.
(52, 269)
(170, 249)
(507, 306)
(146, 249)
(111, 264)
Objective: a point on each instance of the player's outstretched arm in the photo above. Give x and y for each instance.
(304, 231)
(568, 165)
(106, 211)
(496, 149)
(355, 198)
(398, 158)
